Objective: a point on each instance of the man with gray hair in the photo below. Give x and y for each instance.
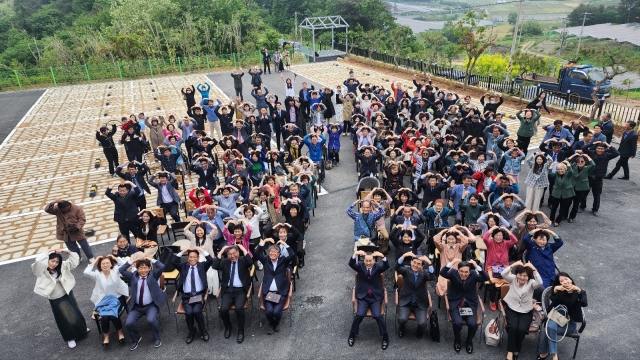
(275, 285)
(365, 220)
(607, 126)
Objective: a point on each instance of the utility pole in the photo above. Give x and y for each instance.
(513, 42)
(295, 35)
(564, 33)
(490, 36)
(581, 30)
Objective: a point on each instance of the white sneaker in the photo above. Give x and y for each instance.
(72, 344)
(260, 267)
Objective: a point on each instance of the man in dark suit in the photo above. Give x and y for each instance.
(627, 149)
(168, 198)
(463, 294)
(274, 280)
(404, 216)
(193, 284)
(280, 117)
(414, 296)
(135, 173)
(125, 211)
(607, 126)
(369, 293)
(206, 172)
(234, 285)
(146, 297)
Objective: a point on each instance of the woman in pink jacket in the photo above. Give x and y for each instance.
(240, 233)
(498, 241)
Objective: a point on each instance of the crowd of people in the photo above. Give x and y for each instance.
(448, 198)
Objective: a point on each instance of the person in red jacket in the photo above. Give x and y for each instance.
(200, 197)
(484, 179)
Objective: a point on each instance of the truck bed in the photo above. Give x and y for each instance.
(542, 79)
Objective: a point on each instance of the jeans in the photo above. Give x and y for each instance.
(273, 311)
(363, 305)
(151, 311)
(73, 246)
(549, 347)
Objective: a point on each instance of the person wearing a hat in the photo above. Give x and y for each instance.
(473, 125)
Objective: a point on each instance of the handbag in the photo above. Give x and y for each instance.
(272, 297)
(496, 270)
(557, 317)
(492, 332)
(166, 255)
(434, 328)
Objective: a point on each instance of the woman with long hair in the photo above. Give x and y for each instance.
(565, 292)
(147, 234)
(55, 282)
(537, 179)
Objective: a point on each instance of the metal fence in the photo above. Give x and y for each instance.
(515, 87)
(126, 70)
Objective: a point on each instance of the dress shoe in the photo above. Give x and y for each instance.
(541, 358)
(190, 337)
(623, 178)
(157, 343)
(401, 331)
(609, 177)
(121, 341)
(419, 333)
(134, 344)
(594, 213)
(205, 336)
(277, 328)
(457, 347)
(352, 339)
(240, 337)
(570, 221)
(227, 332)
(469, 348)
(269, 330)
(385, 342)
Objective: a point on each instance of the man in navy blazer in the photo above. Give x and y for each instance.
(627, 149)
(146, 297)
(274, 279)
(207, 173)
(463, 293)
(193, 283)
(414, 295)
(136, 172)
(369, 292)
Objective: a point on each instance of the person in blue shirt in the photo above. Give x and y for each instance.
(365, 220)
(315, 142)
(334, 143)
(212, 116)
(503, 185)
(214, 215)
(460, 193)
(437, 215)
(558, 132)
(226, 200)
(204, 90)
(540, 253)
(494, 135)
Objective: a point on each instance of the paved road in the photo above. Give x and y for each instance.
(599, 253)
(14, 106)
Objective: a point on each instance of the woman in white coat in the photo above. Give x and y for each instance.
(200, 238)
(107, 293)
(55, 282)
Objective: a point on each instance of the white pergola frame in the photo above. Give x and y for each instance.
(324, 23)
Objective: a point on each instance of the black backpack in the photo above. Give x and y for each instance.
(165, 257)
(435, 328)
